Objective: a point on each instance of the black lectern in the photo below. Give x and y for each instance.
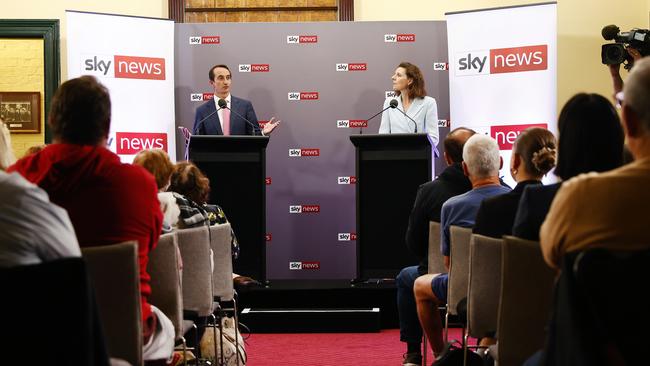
(236, 166)
(389, 170)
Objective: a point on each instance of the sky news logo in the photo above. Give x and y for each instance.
(199, 97)
(295, 39)
(302, 95)
(347, 236)
(502, 60)
(507, 134)
(304, 209)
(125, 67)
(444, 123)
(352, 67)
(131, 143)
(392, 38)
(351, 123)
(254, 68)
(299, 266)
(440, 66)
(194, 40)
(390, 94)
(347, 180)
(294, 153)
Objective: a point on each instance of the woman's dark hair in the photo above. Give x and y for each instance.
(416, 89)
(590, 136)
(538, 150)
(189, 181)
(81, 111)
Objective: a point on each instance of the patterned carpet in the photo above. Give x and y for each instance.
(329, 349)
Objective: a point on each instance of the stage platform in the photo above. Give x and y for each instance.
(319, 306)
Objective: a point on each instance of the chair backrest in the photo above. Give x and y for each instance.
(115, 273)
(458, 266)
(49, 311)
(194, 245)
(525, 300)
(436, 263)
(600, 312)
(484, 285)
(220, 242)
(166, 290)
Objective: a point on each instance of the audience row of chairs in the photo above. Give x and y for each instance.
(196, 289)
(508, 287)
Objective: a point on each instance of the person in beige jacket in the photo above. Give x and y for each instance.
(608, 210)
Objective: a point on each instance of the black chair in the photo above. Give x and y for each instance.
(601, 312)
(49, 315)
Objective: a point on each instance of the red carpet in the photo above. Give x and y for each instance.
(330, 349)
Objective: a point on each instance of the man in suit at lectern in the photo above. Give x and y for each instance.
(234, 117)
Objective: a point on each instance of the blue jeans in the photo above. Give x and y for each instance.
(410, 330)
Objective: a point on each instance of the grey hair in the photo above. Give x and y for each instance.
(636, 91)
(481, 155)
(6, 153)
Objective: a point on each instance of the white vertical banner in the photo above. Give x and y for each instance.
(502, 77)
(134, 58)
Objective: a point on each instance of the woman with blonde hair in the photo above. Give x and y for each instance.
(157, 163)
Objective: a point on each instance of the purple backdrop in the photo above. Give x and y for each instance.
(274, 64)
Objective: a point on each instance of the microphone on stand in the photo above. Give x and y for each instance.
(409, 117)
(197, 127)
(393, 104)
(224, 105)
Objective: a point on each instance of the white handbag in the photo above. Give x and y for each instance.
(231, 352)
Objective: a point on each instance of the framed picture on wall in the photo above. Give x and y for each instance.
(21, 111)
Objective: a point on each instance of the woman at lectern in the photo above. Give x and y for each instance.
(411, 110)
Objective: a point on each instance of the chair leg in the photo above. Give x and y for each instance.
(236, 319)
(465, 339)
(447, 325)
(184, 350)
(214, 333)
(424, 349)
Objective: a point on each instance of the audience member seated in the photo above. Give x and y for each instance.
(24, 207)
(590, 140)
(157, 163)
(533, 155)
(108, 202)
(608, 210)
(6, 151)
(191, 188)
(481, 163)
(428, 202)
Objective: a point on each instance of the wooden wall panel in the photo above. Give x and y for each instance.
(209, 11)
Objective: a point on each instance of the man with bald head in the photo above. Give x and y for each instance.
(608, 210)
(428, 202)
(481, 164)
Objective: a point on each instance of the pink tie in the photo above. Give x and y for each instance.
(226, 121)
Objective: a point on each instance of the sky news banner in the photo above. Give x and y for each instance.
(134, 58)
(502, 81)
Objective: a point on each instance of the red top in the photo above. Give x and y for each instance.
(108, 202)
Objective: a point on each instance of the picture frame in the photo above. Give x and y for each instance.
(21, 111)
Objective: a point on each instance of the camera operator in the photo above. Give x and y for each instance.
(627, 48)
(615, 71)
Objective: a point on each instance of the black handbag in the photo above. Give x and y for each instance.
(453, 356)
